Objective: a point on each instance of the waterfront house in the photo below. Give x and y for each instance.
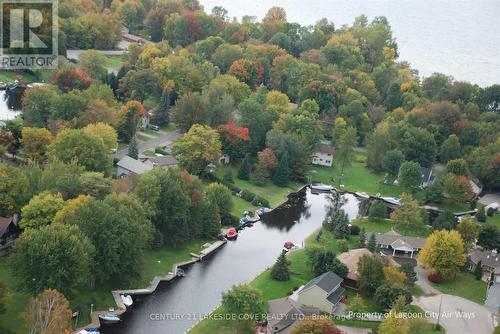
(9, 231)
(128, 165)
(351, 259)
(397, 245)
(283, 313)
(161, 161)
(323, 155)
(323, 292)
(490, 262)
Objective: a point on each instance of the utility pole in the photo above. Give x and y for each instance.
(439, 313)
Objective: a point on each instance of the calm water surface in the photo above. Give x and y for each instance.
(240, 261)
(458, 38)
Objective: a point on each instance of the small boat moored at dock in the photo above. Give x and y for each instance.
(127, 300)
(180, 272)
(89, 330)
(231, 234)
(320, 187)
(109, 318)
(290, 246)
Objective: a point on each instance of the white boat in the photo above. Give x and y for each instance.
(320, 187)
(109, 318)
(251, 216)
(89, 331)
(362, 195)
(263, 210)
(391, 200)
(127, 300)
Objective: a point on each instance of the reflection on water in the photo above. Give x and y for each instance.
(10, 105)
(256, 249)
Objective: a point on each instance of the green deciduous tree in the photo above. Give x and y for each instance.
(58, 257)
(445, 220)
(370, 273)
(242, 299)
(378, 210)
(197, 148)
(13, 190)
(386, 295)
(34, 142)
(468, 229)
(450, 149)
(409, 271)
(410, 174)
(489, 237)
(392, 161)
(220, 197)
(408, 215)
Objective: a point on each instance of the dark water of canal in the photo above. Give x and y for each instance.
(10, 106)
(256, 249)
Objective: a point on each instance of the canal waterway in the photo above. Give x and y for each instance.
(256, 249)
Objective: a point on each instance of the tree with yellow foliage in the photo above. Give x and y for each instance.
(443, 253)
(35, 142)
(103, 132)
(393, 276)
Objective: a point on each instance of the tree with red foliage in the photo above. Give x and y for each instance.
(316, 325)
(69, 78)
(234, 140)
(250, 72)
(268, 158)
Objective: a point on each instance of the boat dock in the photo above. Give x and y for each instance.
(121, 308)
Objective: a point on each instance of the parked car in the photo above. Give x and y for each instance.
(154, 127)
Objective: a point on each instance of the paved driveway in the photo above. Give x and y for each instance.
(164, 139)
(423, 282)
(458, 315)
(354, 330)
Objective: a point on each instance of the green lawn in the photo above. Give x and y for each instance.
(9, 76)
(385, 225)
(270, 191)
(464, 285)
(155, 263)
(114, 62)
(357, 177)
(495, 219)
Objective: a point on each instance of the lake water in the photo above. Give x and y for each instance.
(9, 107)
(256, 249)
(458, 38)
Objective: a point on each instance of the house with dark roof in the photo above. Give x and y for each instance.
(490, 262)
(428, 177)
(283, 313)
(323, 292)
(397, 245)
(323, 155)
(9, 231)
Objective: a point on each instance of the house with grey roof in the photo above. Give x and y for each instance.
(323, 292)
(128, 165)
(397, 245)
(283, 313)
(9, 231)
(490, 262)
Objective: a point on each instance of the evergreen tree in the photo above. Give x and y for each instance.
(481, 216)
(228, 176)
(372, 243)
(133, 150)
(377, 210)
(244, 171)
(411, 275)
(161, 113)
(212, 228)
(282, 173)
(478, 272)
(362, 237)
(280, 270)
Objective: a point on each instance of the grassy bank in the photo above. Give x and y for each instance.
(155, 263)
(464, 285)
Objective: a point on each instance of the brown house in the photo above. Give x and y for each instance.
(351, 259)
(9, 231)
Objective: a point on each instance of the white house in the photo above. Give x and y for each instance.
(323, 155)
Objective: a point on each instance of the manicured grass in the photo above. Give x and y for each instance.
(464, 285)
(416, 291)
(385, 225)
(169, 127)
(495, 219)
(270, 191)
(114, 62)
(8, 76)
(240, 205)
(149, 153)
(357, 177)
(155, 263)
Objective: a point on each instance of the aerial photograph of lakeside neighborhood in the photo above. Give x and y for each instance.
(237, 167)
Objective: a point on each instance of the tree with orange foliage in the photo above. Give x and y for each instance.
(70, 78)
(457, 187)
(250, 72)
(316, 325)
(268, 158)
(234, 140)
